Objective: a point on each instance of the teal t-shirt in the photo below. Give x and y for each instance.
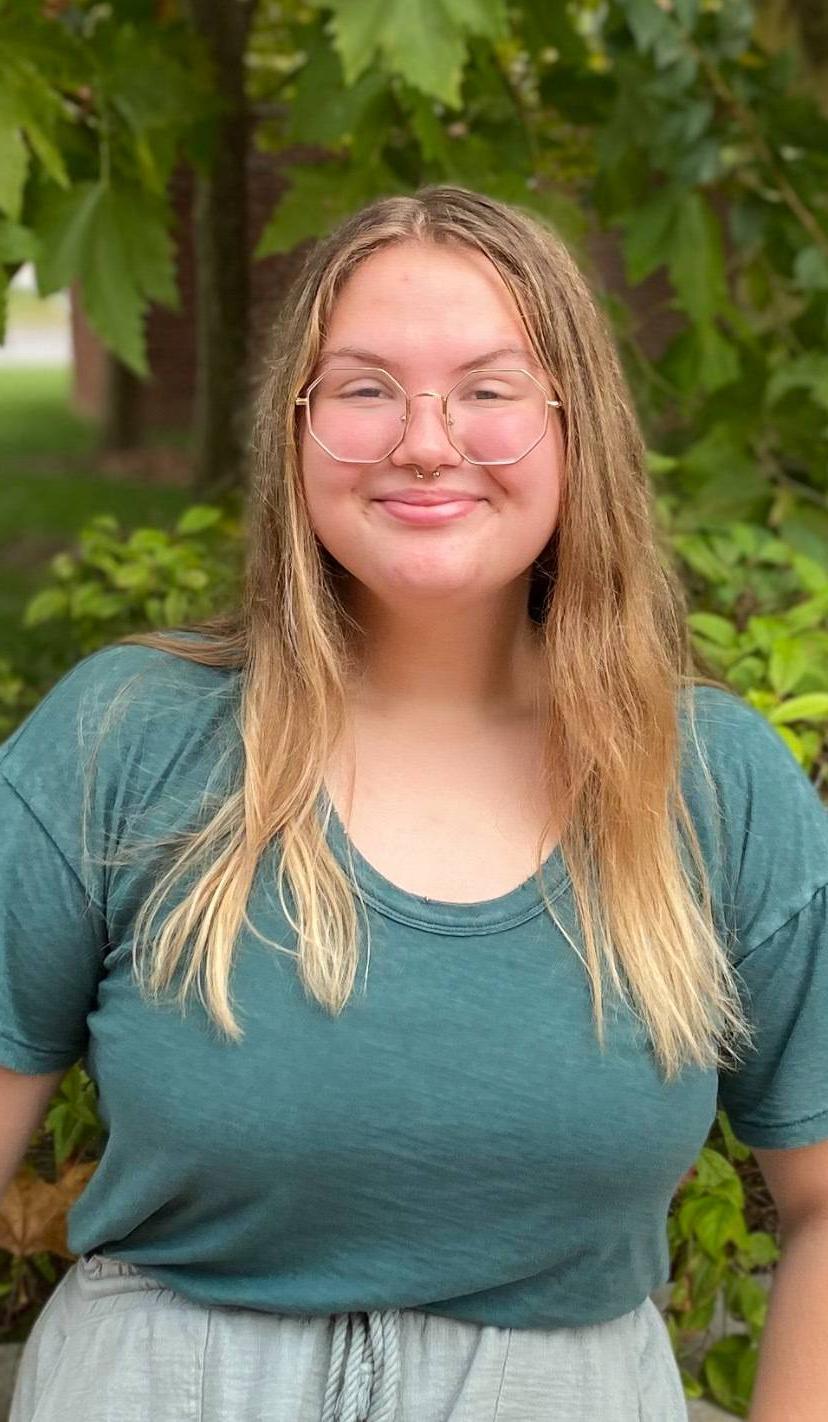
(454, 1141)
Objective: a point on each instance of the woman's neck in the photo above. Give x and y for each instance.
(464, 667)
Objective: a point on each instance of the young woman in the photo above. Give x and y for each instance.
(452, 740)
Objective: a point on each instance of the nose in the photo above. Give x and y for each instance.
(426, 442)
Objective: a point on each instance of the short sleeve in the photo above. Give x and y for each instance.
(52, 940)
(82, 776)
(773, 874)
(52, 881)
(779, 1096)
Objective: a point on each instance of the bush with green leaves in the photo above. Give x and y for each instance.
(714, 1260)
(760, 620)
(114, 582)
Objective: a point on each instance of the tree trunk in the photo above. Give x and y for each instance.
(122, 423)
(220, 417)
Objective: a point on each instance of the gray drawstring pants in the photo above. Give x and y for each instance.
(112, 1345)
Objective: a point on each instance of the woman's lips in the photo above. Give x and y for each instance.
(429, 513)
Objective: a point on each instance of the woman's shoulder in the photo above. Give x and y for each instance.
(740, 746)
(118, 696)
(759, 815)
(720, 712)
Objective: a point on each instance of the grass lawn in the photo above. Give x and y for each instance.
(49, 487)
(35, 416)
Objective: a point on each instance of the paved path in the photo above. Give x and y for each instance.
(29, 345)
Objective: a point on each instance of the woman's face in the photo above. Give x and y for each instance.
(424, 312)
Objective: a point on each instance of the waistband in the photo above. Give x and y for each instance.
(363, 1382)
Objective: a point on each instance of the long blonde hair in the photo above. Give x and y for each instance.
(611, 620)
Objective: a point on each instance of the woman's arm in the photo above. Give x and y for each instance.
(792, 1377)
(23, 1103)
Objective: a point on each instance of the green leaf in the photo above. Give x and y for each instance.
(789, 662)
(697, 553)
(176, 607)
(759, 1250)
(764, 631)
(647, 234)
(719, 1223)
(31, 88)
(91, 600)
(706, 1278)
(692, 1387)
(719, 362)
(331, 123)
(45, 606)
(156, 80)
(198, 517)
(425, 44)
(14, 165)
(811, 707)
(544, 26)
(750, 1299)
(435, 144)
(808, 614)
(196, 579)
(696, 259)
(115, 241)
(143, 223)
(660, 463)
(548, 202)
(714, 1170)
(747, 538)
(811, 269)
(648, 23)
(63, 220)
(724, 1371)
(721, 475)
(17, 244)
(487, 18)
(318, 198)
(807, 372)
(130, 576)
(148, 540)
(737, 1149)
(113, 301)
(716, 629)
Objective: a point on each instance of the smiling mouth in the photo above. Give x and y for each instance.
(429, 500)
(435, 513)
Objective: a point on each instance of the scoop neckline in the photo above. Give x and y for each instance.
(507, 910)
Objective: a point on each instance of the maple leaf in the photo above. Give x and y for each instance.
(33, 1211)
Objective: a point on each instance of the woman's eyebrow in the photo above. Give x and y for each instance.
(485, 357)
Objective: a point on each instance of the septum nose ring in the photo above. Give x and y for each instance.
(435, 474)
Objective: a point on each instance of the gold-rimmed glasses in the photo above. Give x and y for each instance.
(360, 414)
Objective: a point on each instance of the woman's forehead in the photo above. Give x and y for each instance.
(411, 303)
(426, 284)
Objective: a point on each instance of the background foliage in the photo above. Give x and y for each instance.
(683, 142)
